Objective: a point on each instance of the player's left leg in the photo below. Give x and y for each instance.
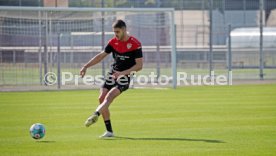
(111, 95)
(107, 86)
(122, 84)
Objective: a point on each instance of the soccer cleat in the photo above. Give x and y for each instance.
(107, 134)
(91, 120)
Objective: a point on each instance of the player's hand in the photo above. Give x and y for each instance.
(82, 71)
(117, 74)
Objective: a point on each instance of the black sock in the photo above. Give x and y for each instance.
(108, 125)
(97, 113)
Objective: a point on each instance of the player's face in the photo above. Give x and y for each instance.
(119, 33)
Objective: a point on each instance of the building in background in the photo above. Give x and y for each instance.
(55, 3)
(45, 3)
(26, 34)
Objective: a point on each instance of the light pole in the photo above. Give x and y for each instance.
(261, 40)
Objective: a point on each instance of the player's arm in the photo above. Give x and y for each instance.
(96, 59)
(137, 67)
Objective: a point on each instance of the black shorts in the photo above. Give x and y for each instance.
(121, 83)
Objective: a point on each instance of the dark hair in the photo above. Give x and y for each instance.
(119, 24)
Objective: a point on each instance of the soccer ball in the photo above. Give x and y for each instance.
(37, 131)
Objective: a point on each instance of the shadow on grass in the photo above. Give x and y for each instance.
(45, 142)
(167, 139)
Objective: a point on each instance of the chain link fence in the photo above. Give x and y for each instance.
(211, 35)
(37, 46)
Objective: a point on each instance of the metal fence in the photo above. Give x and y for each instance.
(36, 41)
(224, 36)
(211, 35)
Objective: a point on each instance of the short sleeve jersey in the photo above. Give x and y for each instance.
(124, 52)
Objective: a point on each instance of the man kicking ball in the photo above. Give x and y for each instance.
(127, 53)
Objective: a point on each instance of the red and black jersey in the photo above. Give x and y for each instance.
(124, 52)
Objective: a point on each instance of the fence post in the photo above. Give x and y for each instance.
(229, 60)
(58, 57)
(13, 57)
(39, 51)
(46, 47)
(210, 38)
(103, 38)
(158, 60)
(261, 40)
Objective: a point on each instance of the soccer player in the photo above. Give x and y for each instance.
(127, 53)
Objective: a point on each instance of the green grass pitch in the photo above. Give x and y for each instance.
(201, 120)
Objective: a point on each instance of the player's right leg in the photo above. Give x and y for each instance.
(106, 115)
(111, 95)
(109, 83)
(105, 112)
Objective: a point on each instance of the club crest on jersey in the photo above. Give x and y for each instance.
(129, 45)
